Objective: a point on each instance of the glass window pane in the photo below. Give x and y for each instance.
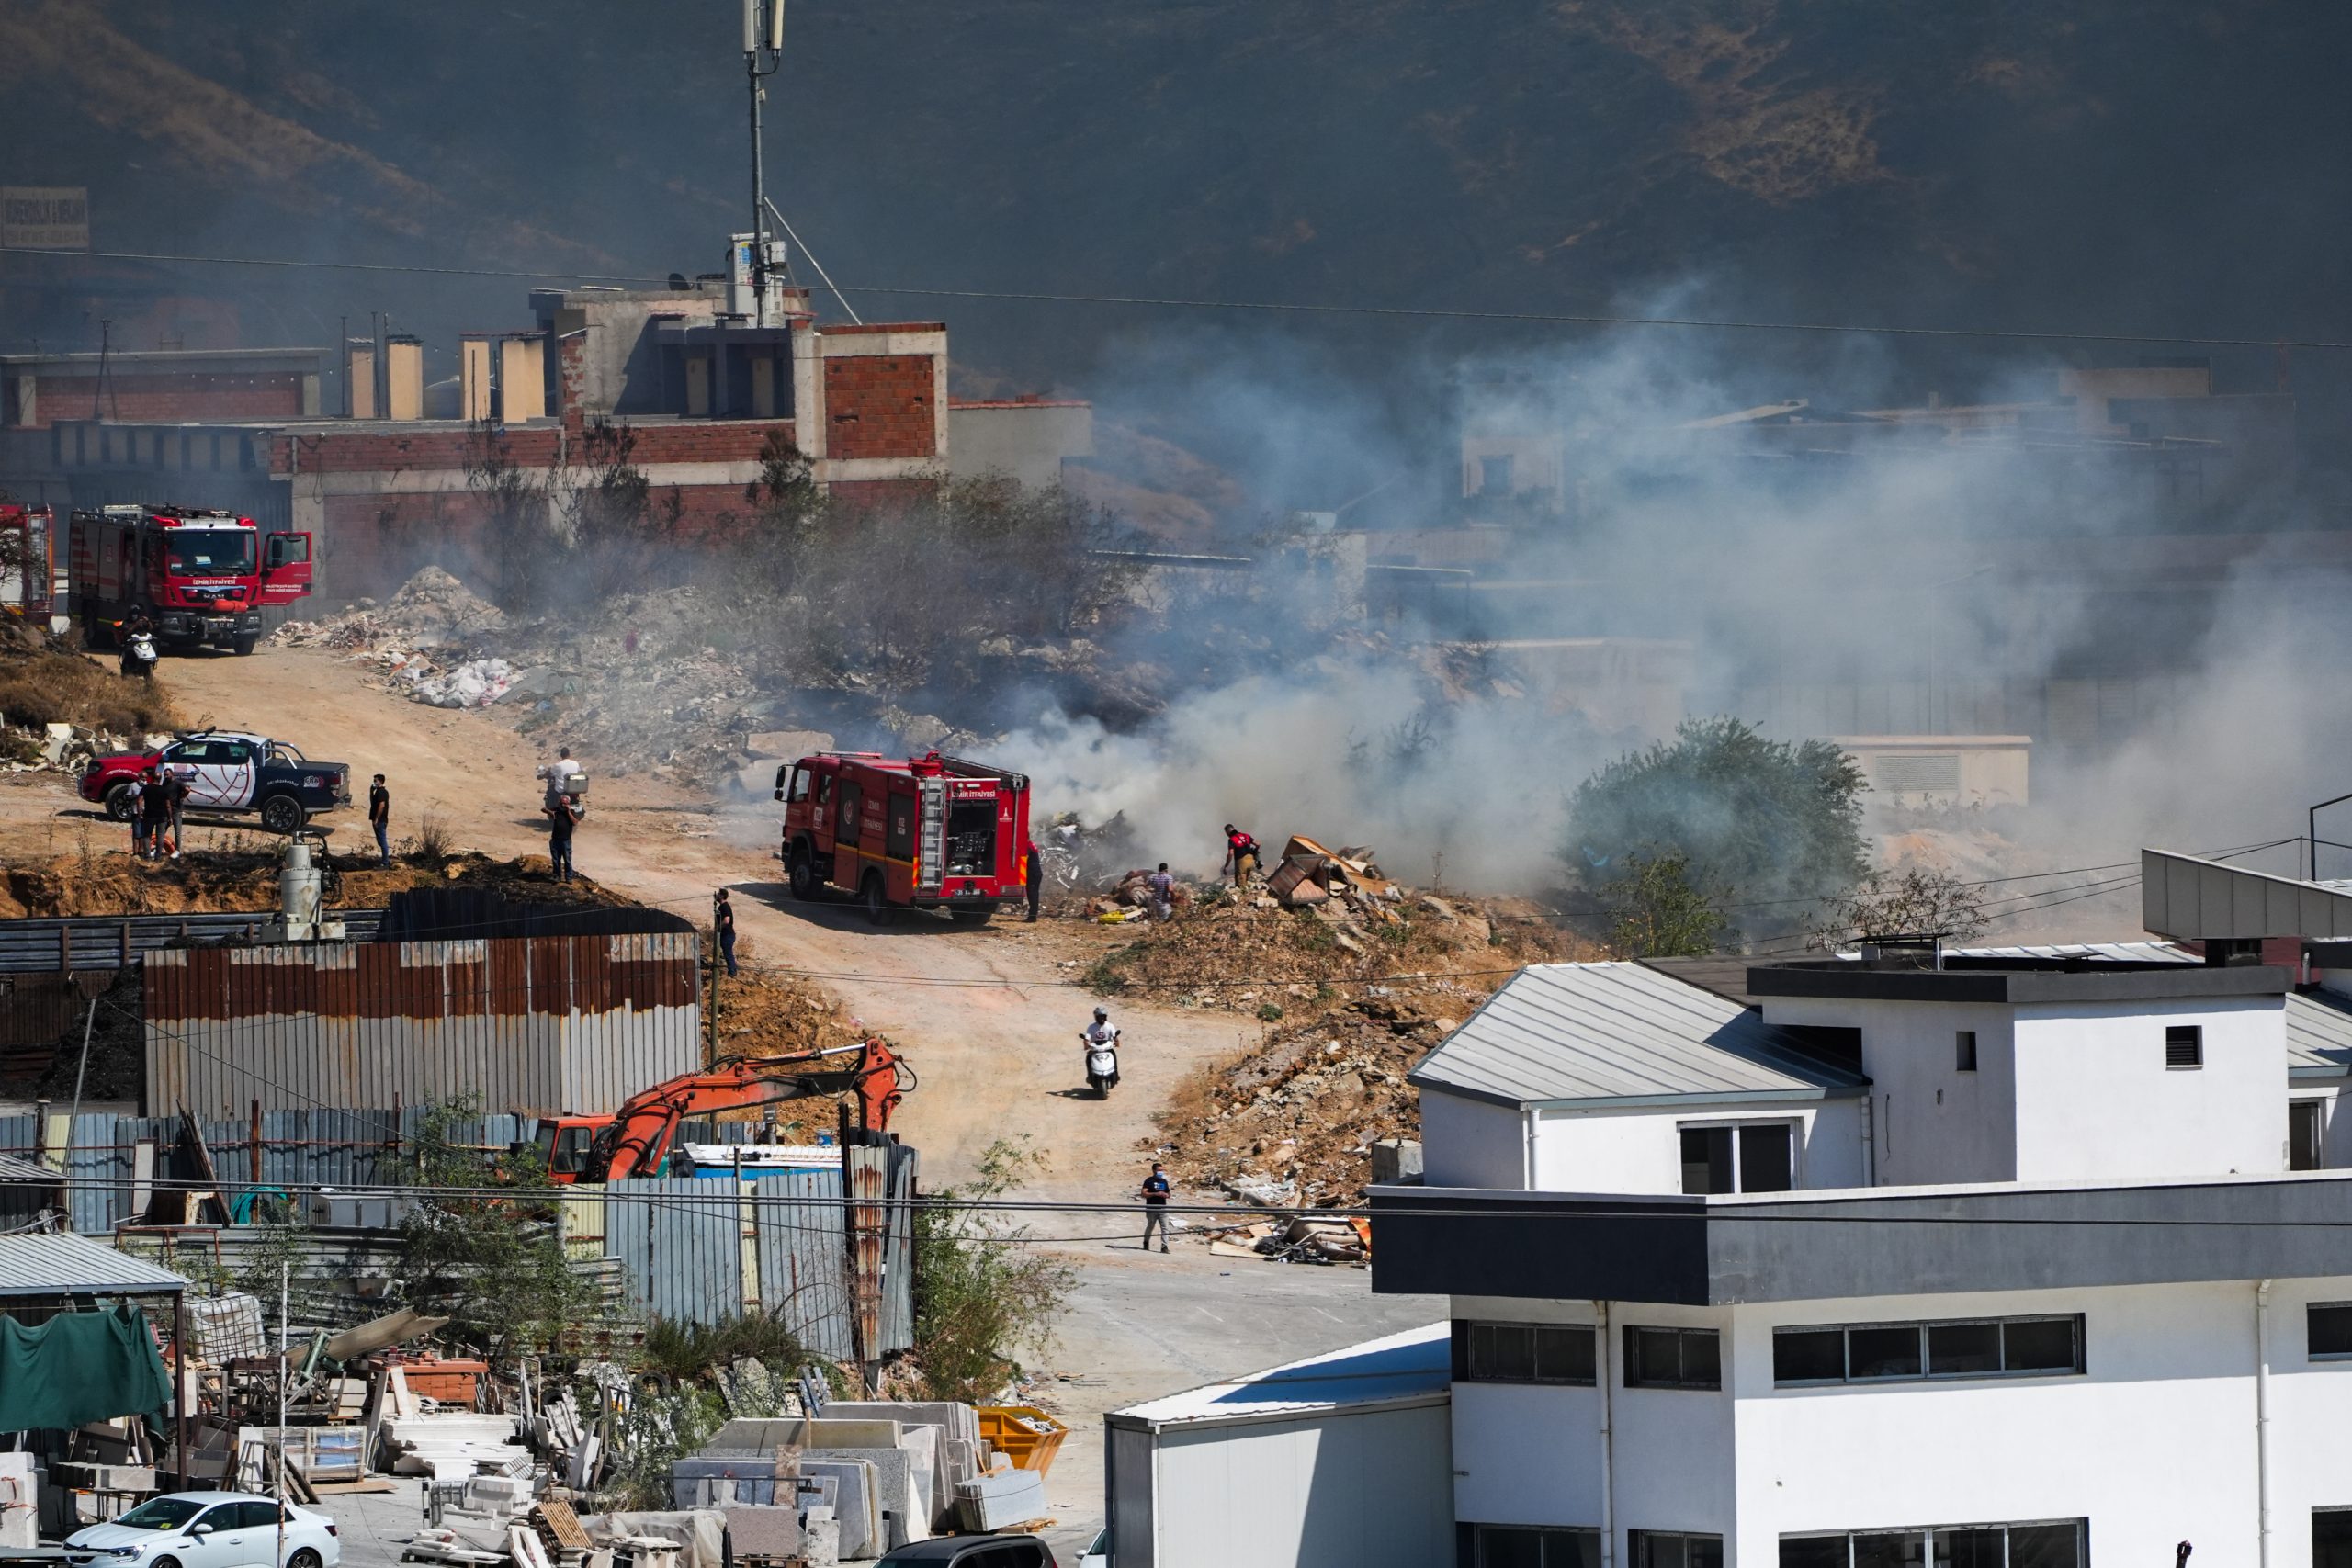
(1705, 1550)
(1504, 1351)
(1509, 1549)
(1813, 1551)
(1969, 1549)
(1564, 1355)
(2306, 1149)
(1883, 1352)
(2045, 1345)
(1964, 1348)
(1653, 1355)
(2331, 1331)
(1703, 1364)
(1661, 1551)
(1765, 1158)
(1890, 1549)
(1706, 1159)
(2046, 1546)
(1571, 1549)
(2331, 1537)
(1808, 1355)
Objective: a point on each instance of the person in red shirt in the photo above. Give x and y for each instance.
(1240, 855)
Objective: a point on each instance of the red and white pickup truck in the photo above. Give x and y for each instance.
(227, 771)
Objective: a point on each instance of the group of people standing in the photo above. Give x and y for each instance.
(157, 799)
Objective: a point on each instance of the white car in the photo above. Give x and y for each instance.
(206, 1529)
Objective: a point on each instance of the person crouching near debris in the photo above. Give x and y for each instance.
(1240, 854)
(563, 817)
(1155, 1206)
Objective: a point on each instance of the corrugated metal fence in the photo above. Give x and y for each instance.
(691, 1249)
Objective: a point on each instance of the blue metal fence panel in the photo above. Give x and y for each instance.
(899, 1255)
(804, 1257)
(696, 1254)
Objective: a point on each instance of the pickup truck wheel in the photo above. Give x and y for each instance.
(245, 645)
(283, 814)
(803, 874)
(875, 910)
(119, 801)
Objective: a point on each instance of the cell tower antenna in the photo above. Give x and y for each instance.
(762, 57)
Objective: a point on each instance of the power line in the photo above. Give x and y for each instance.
(1263, 307)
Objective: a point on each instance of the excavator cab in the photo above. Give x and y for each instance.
(562, 1145)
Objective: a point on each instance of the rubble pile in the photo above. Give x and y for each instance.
(52, 693)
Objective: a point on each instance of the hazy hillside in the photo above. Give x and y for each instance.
(2079, 163)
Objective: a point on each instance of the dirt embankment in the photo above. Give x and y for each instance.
(47, 679)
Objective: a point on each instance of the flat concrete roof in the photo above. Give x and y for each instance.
(1848, 979)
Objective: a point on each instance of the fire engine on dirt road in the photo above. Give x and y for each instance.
(202, 577)
(930, 832)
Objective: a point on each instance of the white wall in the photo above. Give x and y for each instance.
(2094, 1099)
(1930, 1121)
(1368, 1490)
(2310, 1415)
(1640, 1150)
(1471, 1143)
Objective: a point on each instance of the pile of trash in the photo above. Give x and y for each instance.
(476, 683)
(1132, 900)
(427, 640)
(65, 748)
(1310, 875)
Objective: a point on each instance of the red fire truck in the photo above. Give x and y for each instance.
(30, 584)
(202, 577)
(930, 832)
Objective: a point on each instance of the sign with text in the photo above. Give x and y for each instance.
(48, 217)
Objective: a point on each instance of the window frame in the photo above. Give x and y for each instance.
(1477, 1555)
(1638, 1541)
(1633, 1374)
(2339, 1510)
(1469, 1373)
(2329, 1356)
(1737, 1127)
(2194, 1040)
(1963, 1043)
(1929, 1536)
(2316, 1110)
(1921, 1327)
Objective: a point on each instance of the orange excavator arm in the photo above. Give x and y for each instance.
(637, 1140)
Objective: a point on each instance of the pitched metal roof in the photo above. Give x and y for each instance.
(1412, 1368)
(2319, 1035)
(58, 1264)
(1577, 1033)
(13, 1170)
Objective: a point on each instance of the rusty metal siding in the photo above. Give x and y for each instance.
(803, 1277)
(527, 1024)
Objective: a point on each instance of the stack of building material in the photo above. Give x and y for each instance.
(451, 1445)
(999, 1501)
(1311, 875)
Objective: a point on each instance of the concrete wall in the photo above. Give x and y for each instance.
(1345, 1490)
(1931, 1122)
(1471, 1143)
(1025, 440)
(1640, 1150)
(1942, 769)
(2094, 1099)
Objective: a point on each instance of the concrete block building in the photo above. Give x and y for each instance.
(1999, 1260)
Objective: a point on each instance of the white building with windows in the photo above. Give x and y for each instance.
(1992, 1260)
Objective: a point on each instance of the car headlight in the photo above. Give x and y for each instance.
(131, 1550)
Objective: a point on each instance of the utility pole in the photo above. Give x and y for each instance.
(762, 57)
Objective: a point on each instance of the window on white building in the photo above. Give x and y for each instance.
(1528, 1352)
(2332, 1537)
(1661, 1548)
(1962, 1348)
(1724, 1157)
(2328, 1326)
(1673, 1358)
(2184, 1045)
(1514, 1546)
(2307, 1135)
(1495, 477)
(2056, 1543)
(1964, 1049)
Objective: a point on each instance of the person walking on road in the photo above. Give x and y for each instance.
(1240, 855)
(722, 917)
(380, 816)
(563, 817)
(1155, 1206)
(1032, 877)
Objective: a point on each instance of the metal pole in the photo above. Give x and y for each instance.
(759, 197)
(285, 1294)
(180, 1388)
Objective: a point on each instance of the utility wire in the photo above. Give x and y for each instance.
(1176, 302)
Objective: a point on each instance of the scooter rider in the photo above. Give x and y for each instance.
(1100, 1042)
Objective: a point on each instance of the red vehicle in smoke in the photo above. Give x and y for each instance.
(30, 584)
(930, 832)
(202, 577)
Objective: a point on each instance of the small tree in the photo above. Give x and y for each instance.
(479, 1248)
(1911, 901)
(981, 1293)
(1775, 825)
(514, 510)
(615, 530)
(1658, 913)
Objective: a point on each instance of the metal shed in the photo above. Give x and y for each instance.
(1344, 1459)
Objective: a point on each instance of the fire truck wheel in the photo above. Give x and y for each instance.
(979, 917)
(804, 877)
(871, 888)
(245, 645)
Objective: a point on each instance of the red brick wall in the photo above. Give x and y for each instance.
(879, 405)
(166, 399)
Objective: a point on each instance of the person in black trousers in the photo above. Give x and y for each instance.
(1155, 1206)
(1032, 875)
(561, 819)
(722, 916)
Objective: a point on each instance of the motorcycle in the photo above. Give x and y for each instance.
(139, 655)
(1101, 1064)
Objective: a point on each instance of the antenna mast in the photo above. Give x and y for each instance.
(762, 57)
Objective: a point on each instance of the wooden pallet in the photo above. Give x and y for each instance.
(564, 1524)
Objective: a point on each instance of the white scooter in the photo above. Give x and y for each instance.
(1101, 1046)
(139, 655)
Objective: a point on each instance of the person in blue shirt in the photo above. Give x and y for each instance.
(1155, 1206)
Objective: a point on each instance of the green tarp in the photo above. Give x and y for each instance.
(81, 1366)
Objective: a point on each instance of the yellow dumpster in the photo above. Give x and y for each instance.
(1027, 1437)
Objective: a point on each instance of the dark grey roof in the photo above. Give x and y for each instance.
(2193, 899)
(1583, 1033)
(1723, 974)
(54, 1263)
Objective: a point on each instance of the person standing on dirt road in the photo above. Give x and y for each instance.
(1240, 854)
(155, 805)
(135, 806)
(175, 801)
(380, 816)
(1163, 893)
(722, 917)
(1032, 877)
(563, 817)
(1155, 1206)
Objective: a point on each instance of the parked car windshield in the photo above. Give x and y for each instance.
(161, 1514)
(212, 552)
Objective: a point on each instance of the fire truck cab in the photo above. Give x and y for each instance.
(928, 832)
(202, 576)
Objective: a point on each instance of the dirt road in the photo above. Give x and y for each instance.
(990, 1018)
